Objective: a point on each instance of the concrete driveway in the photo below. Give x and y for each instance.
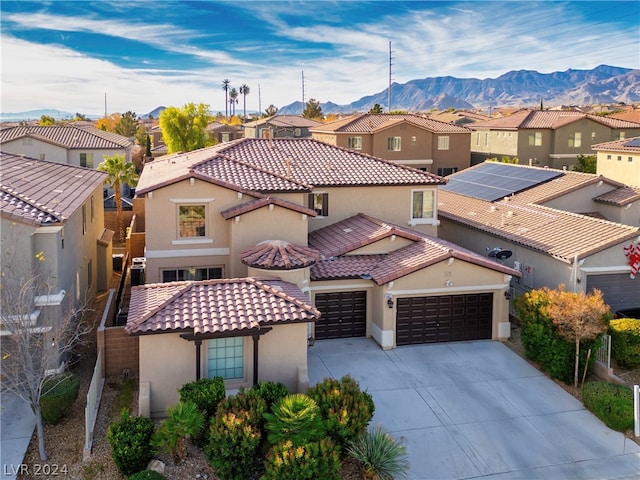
(477, 410)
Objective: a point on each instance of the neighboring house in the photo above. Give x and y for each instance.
(254, 226)
(280, 126)
(547, 138)
(406, 139)
(223, 132)
(619, 160)
(52, 217)
(70, 144)
(550, 221)
(459, 117)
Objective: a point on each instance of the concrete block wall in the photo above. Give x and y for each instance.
(121, 352)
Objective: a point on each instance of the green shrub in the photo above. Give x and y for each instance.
(249, 402)
(296, 418)
(347, 410)
(130, 441)
(271, 392)
(147, 475)
(183, 421)
(58, 395)
(233, 444)
(381, 456)
(206, 393)
(312, 461)
(543, 344)
(625, 342)
(611, 403)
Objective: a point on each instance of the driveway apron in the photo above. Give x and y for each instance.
(477, 410)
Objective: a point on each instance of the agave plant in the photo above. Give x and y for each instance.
(296, 418)
(381, 455)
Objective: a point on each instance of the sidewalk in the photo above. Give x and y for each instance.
(17, 423)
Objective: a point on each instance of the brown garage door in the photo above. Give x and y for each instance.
(344, 314)
(446, 318)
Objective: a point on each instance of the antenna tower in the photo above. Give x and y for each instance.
(259, 102)
(390, 78)
(303, 90)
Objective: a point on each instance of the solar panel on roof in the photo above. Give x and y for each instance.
(634, 142)
(492, 181)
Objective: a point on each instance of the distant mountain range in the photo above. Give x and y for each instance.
(518, 88)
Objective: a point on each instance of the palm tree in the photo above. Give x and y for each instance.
(244, 91)
(118, 173)
(233, 94)
(225, 87)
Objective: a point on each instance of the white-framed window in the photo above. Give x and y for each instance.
(629, 159)
(535, 139)
(444, 171)
(191, 274)
(422, 205)
(191, 221)
(414, 140)
(226, 136)
(355, 143)
(394, 144)
(320, 203)
(86, 160)
(622, 136)
(575, 140)
(443, 142)
(225, 358)
(619, 158)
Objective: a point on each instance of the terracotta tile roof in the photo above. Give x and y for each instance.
(355, 232)
(216, 306)
(68, 136)
(279, 165)
(626, 145)
(361, 230)
(548, 119)
(559, 234)
(252, 205)
(291, 121)
(620, 196)
(279, 255)
(371, 122)
(40, 192)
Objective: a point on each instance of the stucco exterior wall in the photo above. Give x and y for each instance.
(34, 148)
(581, 200)
(623, 167)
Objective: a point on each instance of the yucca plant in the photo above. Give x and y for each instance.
(296, 418)
(183, 421)
(381, 455)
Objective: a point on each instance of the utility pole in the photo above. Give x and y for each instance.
(259, 103)
(303, 91)
(390, 78)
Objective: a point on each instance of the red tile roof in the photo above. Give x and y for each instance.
(620, 196)
(41, 192)
(336, 241)
(279, 165)
(371, 122)
(290, 121)
(279, 255)
(626, 145)
(548, 119)
(68, 136)
(252, 205)
(216, 306)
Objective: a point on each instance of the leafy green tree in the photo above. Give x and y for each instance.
(244, 91)
(226, 88)
(271, 110)
(148, 146)
(585, 164)
(81, 117)
(46, 120)
(127, 125)
(119, 172)
(312, 109)
(376, 109)
(184, 129)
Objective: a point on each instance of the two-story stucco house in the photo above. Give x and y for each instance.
(53, 224)
(406, 139)
(547, 138)
(257, 248)
(280, 126)
(619, 160)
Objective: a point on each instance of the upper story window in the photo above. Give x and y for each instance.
(443, 142)
(86, 160)
(444, 171)
(320, 203)
(226, 137)
(629, 159)
(191, 274)
(622, 136)
(191, 221)
(575, 140)
(394, 144)
(593, 137)
(355, 143)
(619, 158)
(422, 205)
(535, 139)
(608, 157)
(486, 139)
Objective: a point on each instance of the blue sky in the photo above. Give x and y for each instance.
(67, 55)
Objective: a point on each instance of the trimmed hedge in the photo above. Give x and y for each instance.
(58, 395)
(130, 441)
(611, 403)
(625, 341)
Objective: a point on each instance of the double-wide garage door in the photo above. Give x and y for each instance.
(445, 318)
(344, 314)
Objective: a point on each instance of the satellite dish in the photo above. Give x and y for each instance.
(503, 254)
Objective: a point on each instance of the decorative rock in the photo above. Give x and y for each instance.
(156, 465)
